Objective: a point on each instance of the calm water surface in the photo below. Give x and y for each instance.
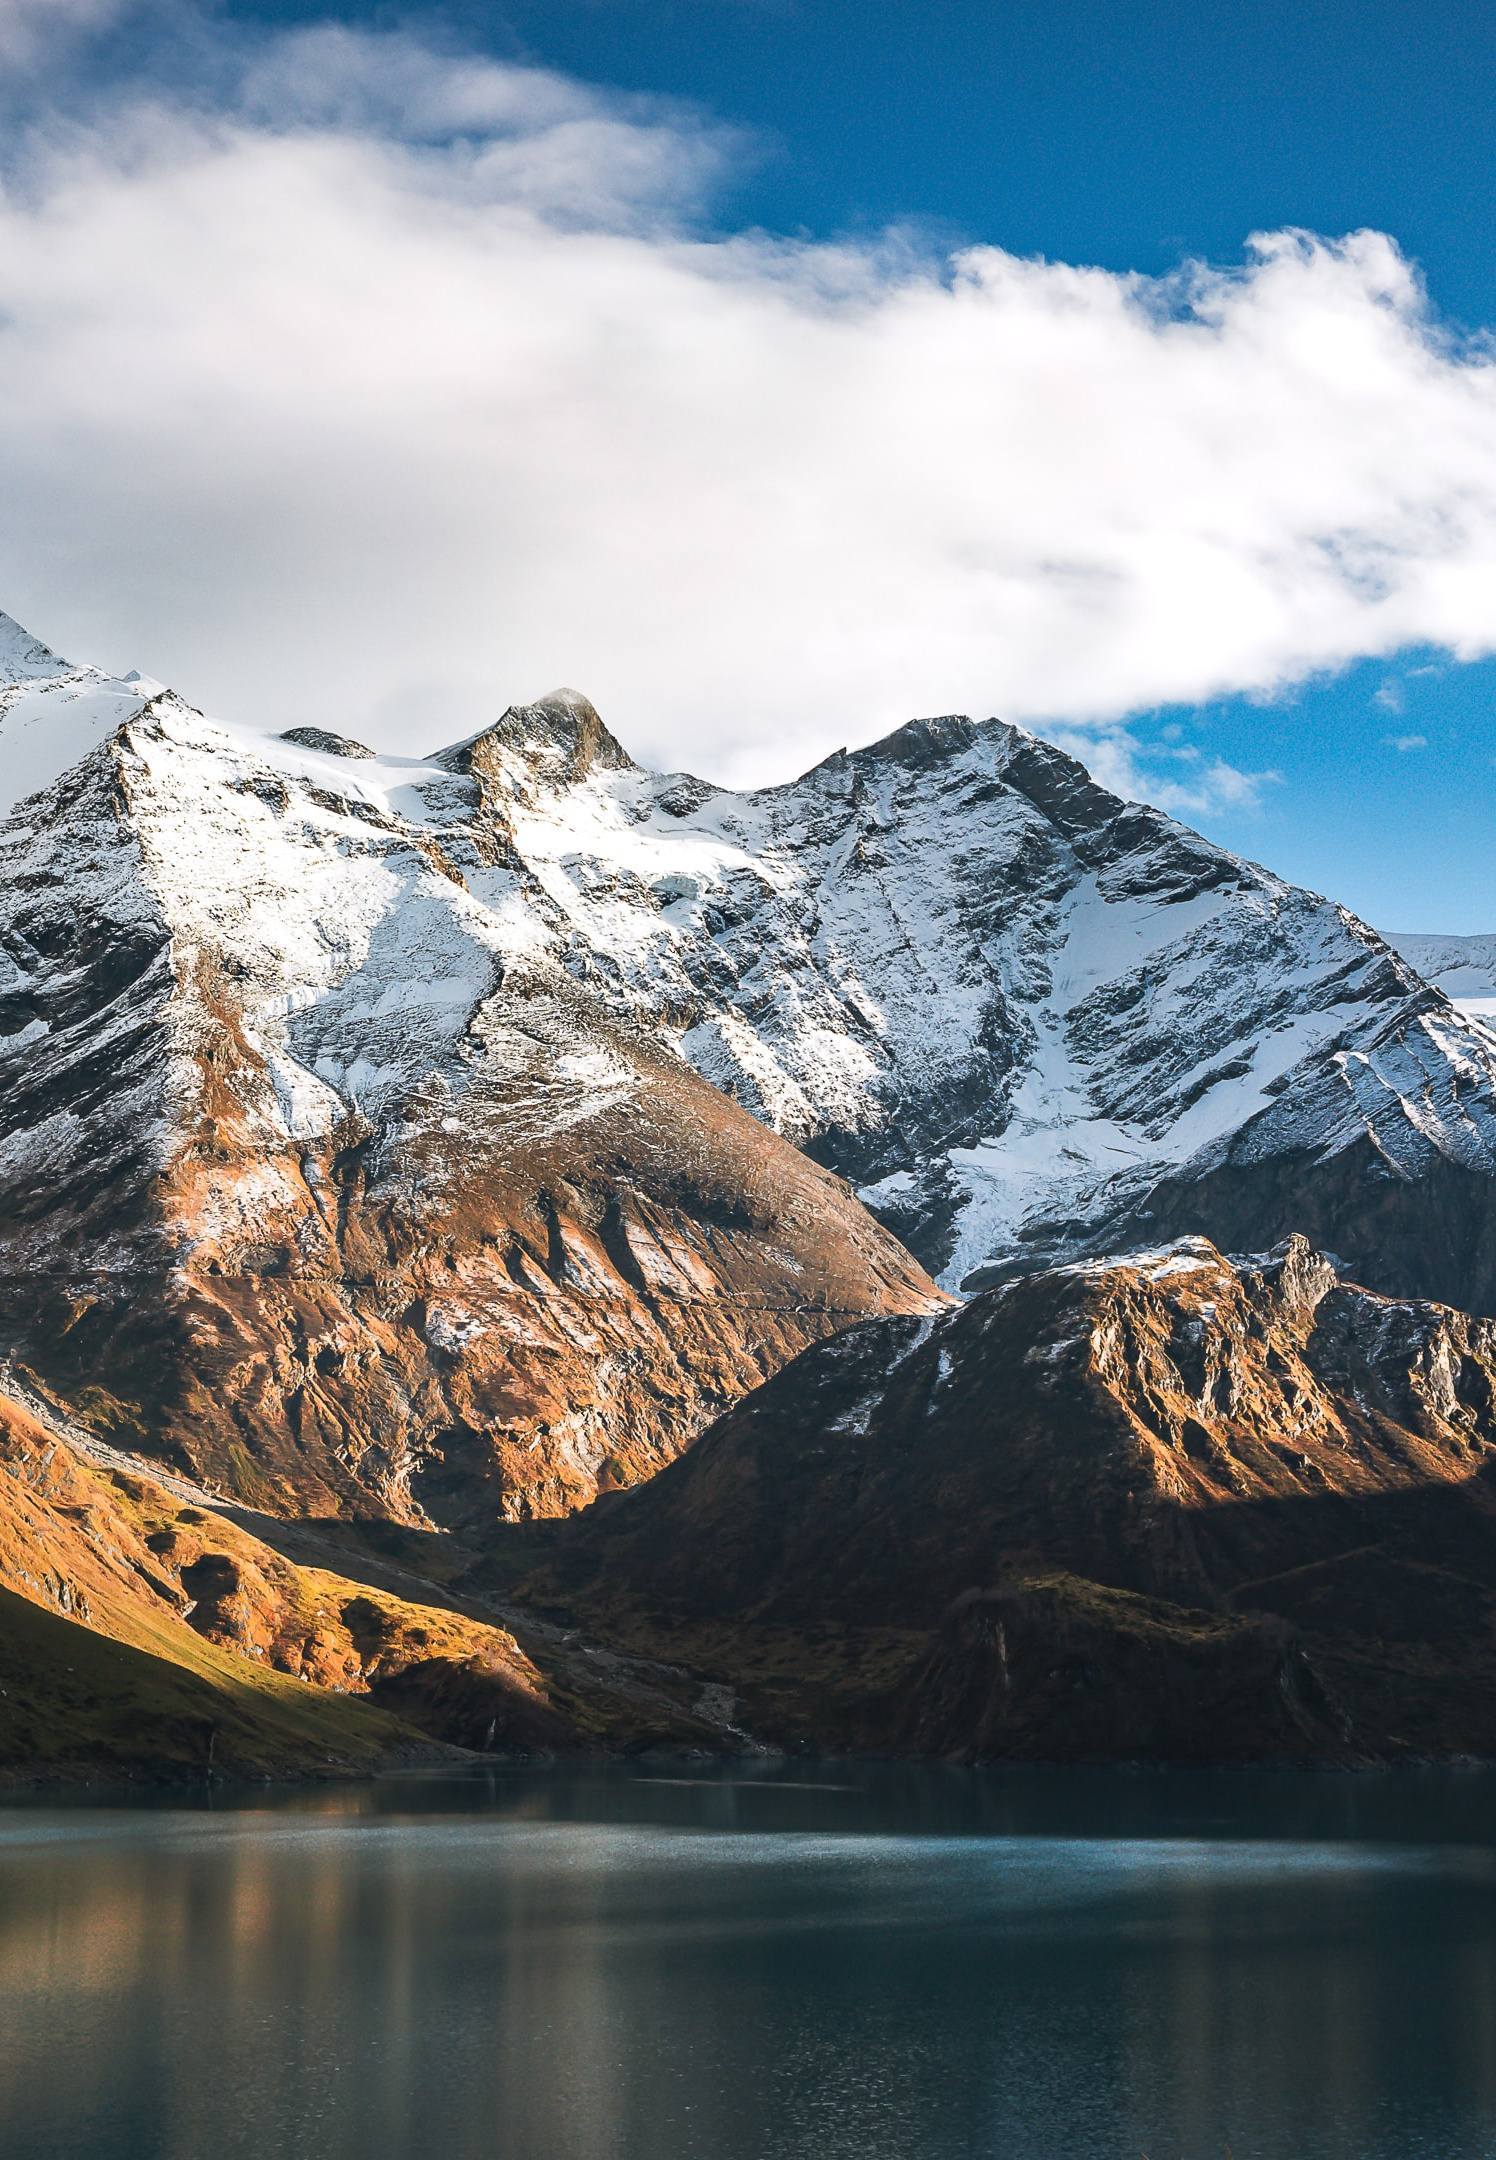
(797, 1964)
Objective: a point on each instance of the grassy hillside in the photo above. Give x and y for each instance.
(75, 1701)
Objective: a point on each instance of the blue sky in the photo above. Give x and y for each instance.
(1091, 131)
(1128, 138)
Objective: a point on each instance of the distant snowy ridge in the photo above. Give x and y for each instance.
(1464, 968)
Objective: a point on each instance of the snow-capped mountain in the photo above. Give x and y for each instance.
(318, 1173)
(405, 1081)
(1464, 968)
(1022, 1015)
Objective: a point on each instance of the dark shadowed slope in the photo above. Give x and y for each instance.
(1159, 1506)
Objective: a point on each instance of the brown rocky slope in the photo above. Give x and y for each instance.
(1167, 1506)
(145, 1632)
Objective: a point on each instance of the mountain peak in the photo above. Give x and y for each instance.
(561, 737)
(927, 740)
(1056, 783)
(918, 745)
(23, 657)
(53, 713)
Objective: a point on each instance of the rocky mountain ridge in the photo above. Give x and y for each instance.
(1026, 1018)
(1165, 1504)
(1022, 1016)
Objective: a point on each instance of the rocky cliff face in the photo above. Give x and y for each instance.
(318, 1175)
(1162, 1505)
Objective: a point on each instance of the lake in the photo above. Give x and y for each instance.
(786, 1963)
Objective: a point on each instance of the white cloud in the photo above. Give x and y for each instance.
(1405, 743)
(32, 31)
(383, 386)
(1176, 776)
(521, 137)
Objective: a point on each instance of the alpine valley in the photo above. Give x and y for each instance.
(507, 1250)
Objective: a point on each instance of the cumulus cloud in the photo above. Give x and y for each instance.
(368, 383)
(1405, 743)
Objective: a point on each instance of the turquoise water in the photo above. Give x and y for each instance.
(799, 1964)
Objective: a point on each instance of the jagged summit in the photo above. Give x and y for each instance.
(935, 736)
(918, 742)
(559, 738)
(1020, 1013)
(53, 714)
(23, 656)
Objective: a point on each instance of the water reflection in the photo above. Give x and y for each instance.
(892, 1965)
